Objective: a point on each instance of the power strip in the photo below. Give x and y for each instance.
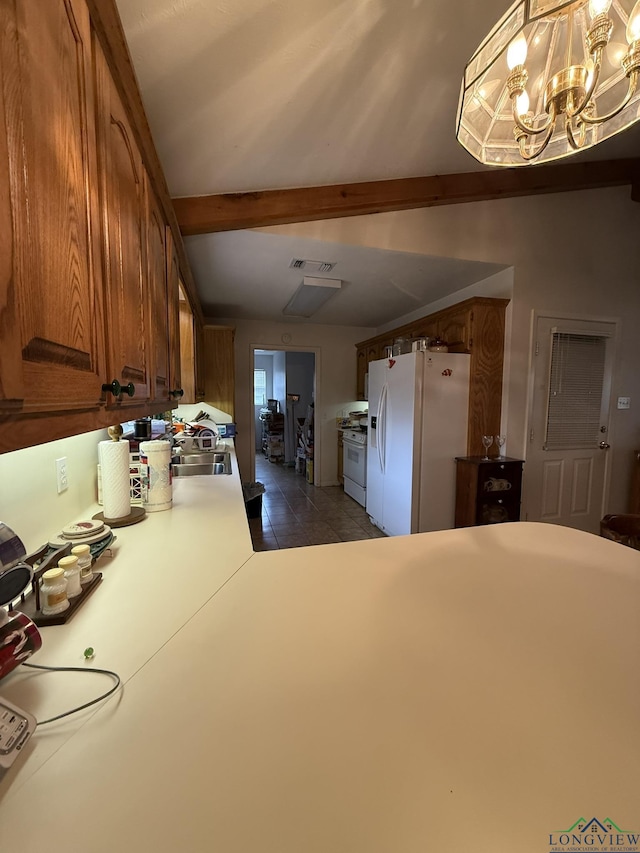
(16, 727)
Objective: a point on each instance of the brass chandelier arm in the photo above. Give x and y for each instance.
(597, 65)
(531, 131)
(571, 115)
(576, 142)
(522, 138)
(633, 85)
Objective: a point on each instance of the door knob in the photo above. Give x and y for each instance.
(604, 446)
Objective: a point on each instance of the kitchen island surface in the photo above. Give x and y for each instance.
(459, 690)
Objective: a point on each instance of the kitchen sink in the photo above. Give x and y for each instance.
(204, 462)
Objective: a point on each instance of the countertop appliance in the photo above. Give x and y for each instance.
(354, 464)
(418, 408)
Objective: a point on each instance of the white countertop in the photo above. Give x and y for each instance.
(459, 690)
(162, 571)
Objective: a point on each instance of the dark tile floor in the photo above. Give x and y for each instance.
(295, 513)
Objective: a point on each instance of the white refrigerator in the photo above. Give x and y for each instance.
(418, 409)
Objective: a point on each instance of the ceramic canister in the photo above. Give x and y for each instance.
(156, 490)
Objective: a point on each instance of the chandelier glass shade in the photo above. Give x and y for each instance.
(551, 79)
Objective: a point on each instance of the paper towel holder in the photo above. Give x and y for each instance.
(115, 432)
(137, 513)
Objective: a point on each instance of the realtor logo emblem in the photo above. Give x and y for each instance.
(605, 836)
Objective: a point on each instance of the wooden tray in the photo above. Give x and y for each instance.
(28, 606)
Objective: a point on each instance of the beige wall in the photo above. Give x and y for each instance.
(29, 499)
(335, 380)
(575, 253)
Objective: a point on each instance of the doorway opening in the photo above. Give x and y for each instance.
(284, 406)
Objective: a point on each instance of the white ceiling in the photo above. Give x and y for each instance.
(377, 285)
(248, 95)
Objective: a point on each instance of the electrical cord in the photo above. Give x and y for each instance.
(77, 669)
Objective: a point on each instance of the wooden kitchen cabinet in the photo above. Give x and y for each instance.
(124, 234)
(454, 327)
(88, 275)
(364, 355)
(50, 273)
(187, 352)
(191, 353)
(198, 340)
(219, 361)
(176, 391)
(163, 274)
(158, 305)
(362, 365)
(474, 326)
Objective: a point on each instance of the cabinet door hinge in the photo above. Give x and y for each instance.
(531, 435)
(537, 352)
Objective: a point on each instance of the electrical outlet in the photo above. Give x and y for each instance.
(624, 402)
(61, 474)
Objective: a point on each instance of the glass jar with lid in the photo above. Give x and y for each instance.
(83, 553)
(401, 345)
(438, 345)
(53, 592)
(72, 573)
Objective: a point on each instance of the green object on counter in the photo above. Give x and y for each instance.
(88, 653)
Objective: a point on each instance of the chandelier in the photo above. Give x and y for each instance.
(551, 79)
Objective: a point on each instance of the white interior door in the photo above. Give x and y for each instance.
(567, 463)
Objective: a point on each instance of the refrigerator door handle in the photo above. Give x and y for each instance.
(382, 427)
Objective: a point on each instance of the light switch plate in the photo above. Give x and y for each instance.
(624, 402)
(61, 474)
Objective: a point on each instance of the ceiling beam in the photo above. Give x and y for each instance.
(233, 211)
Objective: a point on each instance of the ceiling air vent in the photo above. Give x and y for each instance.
(311, 266)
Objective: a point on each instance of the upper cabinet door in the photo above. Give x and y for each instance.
(159, 300)
(173, 297)
(50, 277)
(122, 192)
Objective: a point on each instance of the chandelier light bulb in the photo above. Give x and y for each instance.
(633, 27)
(522, 103)
(517, 50)
(598, 7)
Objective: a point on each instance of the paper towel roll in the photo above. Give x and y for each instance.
(157, 493)
(114, 467)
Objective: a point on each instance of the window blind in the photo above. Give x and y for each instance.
(575, 391)
(259, 387)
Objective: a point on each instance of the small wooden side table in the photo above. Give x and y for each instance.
(488, 491)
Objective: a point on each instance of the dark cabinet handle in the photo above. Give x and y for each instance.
(177, 392)
(117, 389)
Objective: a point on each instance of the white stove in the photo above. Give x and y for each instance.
(354, 466)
